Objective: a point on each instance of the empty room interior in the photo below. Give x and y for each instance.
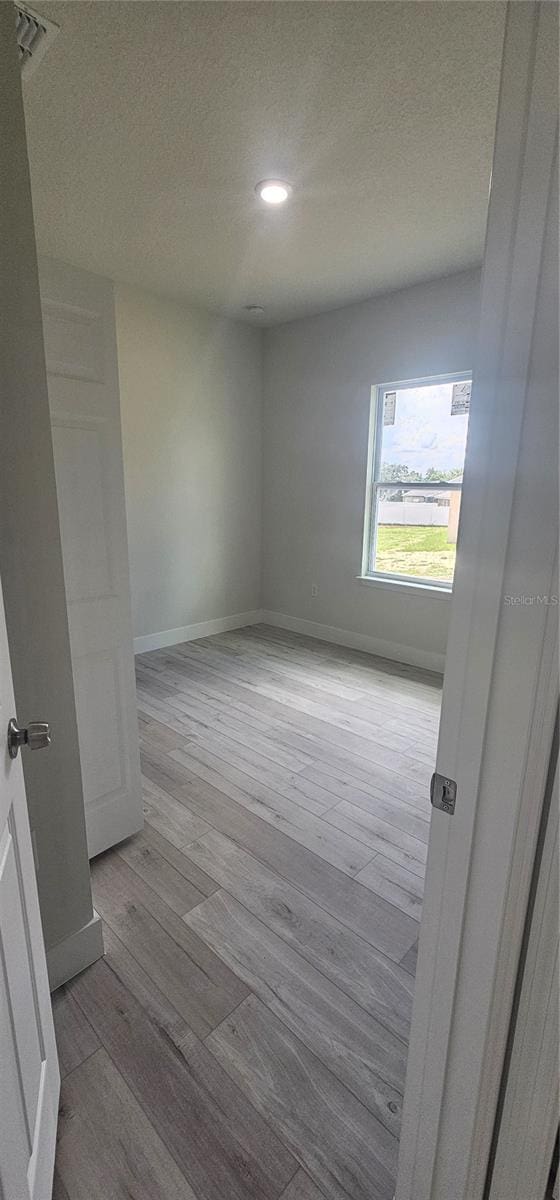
(260, 232)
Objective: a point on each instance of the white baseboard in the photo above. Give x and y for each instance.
(189, 633)
(396, 651)
(75, 952)
(429, 660)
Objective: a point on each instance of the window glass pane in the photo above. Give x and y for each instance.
(424, 431)
(417, 532)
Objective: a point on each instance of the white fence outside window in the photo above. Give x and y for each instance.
(393, 512)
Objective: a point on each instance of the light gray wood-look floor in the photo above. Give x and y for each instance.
(245, 1036)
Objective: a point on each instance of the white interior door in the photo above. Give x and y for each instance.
(29, 1074)
(80, 349)
(501, 677)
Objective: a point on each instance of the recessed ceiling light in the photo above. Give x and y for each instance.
(273, 191)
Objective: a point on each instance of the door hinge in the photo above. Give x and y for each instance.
(443, 793)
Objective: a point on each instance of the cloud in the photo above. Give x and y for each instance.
(425, 434)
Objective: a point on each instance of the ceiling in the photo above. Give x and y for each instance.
(149, 125)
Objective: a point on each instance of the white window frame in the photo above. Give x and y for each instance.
(374, 483)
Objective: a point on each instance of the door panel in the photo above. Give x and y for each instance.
(18, 972)
(80, 350)
(80, 455)
(28, 1062)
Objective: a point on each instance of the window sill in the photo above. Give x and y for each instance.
(406, 587)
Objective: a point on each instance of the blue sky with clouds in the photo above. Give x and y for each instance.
(425, 434)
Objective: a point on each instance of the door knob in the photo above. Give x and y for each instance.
(35, 735)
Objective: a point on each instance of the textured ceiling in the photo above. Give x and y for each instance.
(150, 123)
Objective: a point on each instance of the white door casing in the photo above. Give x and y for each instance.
(501, 681)
(29, 1074)
(81, 357)
(529, 1120)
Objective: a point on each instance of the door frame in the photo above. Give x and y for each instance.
(526, 1132)
(500, 688)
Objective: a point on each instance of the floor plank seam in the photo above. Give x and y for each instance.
(267, 825)
(179, 947)
(299, 1040)
(327, 978)
(185, 1066)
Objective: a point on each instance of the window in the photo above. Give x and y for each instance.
(418, 439)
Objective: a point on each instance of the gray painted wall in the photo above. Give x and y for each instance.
(191, 398)
(318, 375)
(30, 553)
(191, 403)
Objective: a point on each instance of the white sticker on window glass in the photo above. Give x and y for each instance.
(460, 398)
(389, 407)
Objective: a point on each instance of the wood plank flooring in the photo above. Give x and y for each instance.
(245, 1035)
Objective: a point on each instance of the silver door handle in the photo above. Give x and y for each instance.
(35, 735)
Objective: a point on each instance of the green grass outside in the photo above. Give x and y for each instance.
(421, 550)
